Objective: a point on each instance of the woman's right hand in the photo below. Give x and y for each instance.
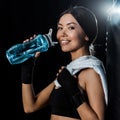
(31, 38)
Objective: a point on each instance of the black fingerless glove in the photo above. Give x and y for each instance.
(27, 71)
(70, 85)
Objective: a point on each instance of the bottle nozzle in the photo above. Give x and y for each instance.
(50, 32)
(49, 37)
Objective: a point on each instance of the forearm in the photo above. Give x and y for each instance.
(32, 102)
(28, 97)
(86, 113)
(70, 85)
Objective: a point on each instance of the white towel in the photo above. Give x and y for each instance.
(88, 61)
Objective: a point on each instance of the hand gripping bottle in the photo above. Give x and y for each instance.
(21, 52)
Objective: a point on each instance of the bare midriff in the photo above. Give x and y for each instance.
(57, 117)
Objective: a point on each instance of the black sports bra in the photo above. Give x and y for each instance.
(61, 104)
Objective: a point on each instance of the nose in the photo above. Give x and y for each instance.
(61, 34)
(64, 33)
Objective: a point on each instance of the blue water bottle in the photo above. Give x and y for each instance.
(21, 52)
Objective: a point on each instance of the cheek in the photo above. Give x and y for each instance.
(81, 37)
(79, 40)
(75, 37)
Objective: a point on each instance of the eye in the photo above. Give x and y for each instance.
(71, 28)
(59, 28)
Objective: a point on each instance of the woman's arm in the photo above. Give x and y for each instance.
(33, 103)
(91, 83)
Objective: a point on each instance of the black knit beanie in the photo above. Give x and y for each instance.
(87, 20)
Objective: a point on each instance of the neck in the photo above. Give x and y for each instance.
(79, 53)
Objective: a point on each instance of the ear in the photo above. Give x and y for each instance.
(86, 38)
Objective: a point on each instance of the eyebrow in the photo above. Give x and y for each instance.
(68, 23)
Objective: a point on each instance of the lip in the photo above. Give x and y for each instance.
(64, 42)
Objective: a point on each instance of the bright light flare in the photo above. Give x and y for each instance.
(114, 15)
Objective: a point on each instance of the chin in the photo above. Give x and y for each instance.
(65, 50)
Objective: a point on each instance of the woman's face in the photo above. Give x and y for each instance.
(70, 35)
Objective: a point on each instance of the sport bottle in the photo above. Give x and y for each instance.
(21, 52)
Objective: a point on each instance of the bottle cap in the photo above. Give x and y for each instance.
(49, 38)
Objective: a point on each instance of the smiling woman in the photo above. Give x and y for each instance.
(71, 95)
(91, 30)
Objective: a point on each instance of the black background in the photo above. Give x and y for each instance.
(20, 19)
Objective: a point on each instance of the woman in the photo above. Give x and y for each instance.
(79, 91)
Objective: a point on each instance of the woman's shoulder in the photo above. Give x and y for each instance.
(88, 75)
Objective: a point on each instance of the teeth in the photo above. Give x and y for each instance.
(64, 41)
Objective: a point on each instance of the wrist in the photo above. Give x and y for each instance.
(78, 99)
(27, 71)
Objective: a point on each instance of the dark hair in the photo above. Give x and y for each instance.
(87, 20)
